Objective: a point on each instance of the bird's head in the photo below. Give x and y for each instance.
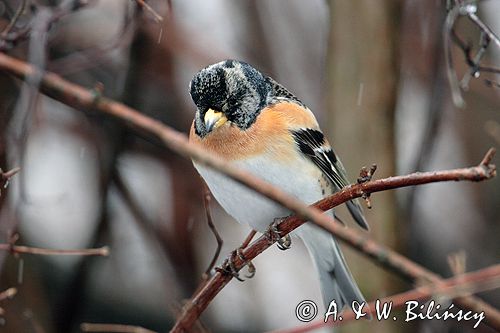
(228, 93)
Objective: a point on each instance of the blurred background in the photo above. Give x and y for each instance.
(373, 72)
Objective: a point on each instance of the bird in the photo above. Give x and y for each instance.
(257, 125)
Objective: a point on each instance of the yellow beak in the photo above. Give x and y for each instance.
(214, 119)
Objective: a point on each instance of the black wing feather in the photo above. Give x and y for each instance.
(311, 143)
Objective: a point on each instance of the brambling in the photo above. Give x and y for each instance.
(259, 126)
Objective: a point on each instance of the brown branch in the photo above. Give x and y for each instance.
(113, 328)
(248, 239)
(143, 4)
(9, 174)
(85, 99)
(206, 203)
(478, 281)
(14, 19)
(8, 294)
(19, 249)
(6, 176)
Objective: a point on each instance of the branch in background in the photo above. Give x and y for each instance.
(113, 328)
(85, 99)
(11, 36)
(467, 9)
(6, 294)
(14, 19)
(207, 197)
(143, 4)
(6, 176)
(20, 249)
(469, 283)
(94, 56)
(9, 293)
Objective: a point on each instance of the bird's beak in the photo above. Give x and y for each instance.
(214, 119)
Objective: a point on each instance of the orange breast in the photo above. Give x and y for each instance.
(269, 134)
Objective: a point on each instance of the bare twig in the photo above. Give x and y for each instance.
(456, 94)
(19, 249)
(483, 27)
(248, 239)
(482, 280)
(84, 99)
(95, 55)
(206, 203)
(6, 176)
(8, 293)
(14, 19)
(10, 38)
(113, 328)
(467, 9)
(457, 262)
(143, 4)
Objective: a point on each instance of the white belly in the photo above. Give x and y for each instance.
(249, 207)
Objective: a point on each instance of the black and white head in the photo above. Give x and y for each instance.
(228, 91)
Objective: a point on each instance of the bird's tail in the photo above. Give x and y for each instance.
(336, 280)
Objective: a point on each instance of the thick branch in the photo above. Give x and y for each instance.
(83, 99)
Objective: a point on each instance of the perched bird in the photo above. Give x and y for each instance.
(255, 123)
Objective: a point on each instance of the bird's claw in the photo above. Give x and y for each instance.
(285, 243)
(228, 266)
(274, 235)
(249, 263)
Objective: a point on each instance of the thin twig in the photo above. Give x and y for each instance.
(6, 176)
(8, 293)
(491, 35)
(456, 94)
(113, 328)
(9, 174)
(206, 203)
(248, 239)
(478, 281)
(143, 4)
(19, 249)
(8, 40)
(14, 19)
(84, 99)
(468, 9)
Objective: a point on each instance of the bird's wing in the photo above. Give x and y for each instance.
(312, 143)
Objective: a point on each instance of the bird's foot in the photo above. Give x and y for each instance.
(274, 235)
(229, 267)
